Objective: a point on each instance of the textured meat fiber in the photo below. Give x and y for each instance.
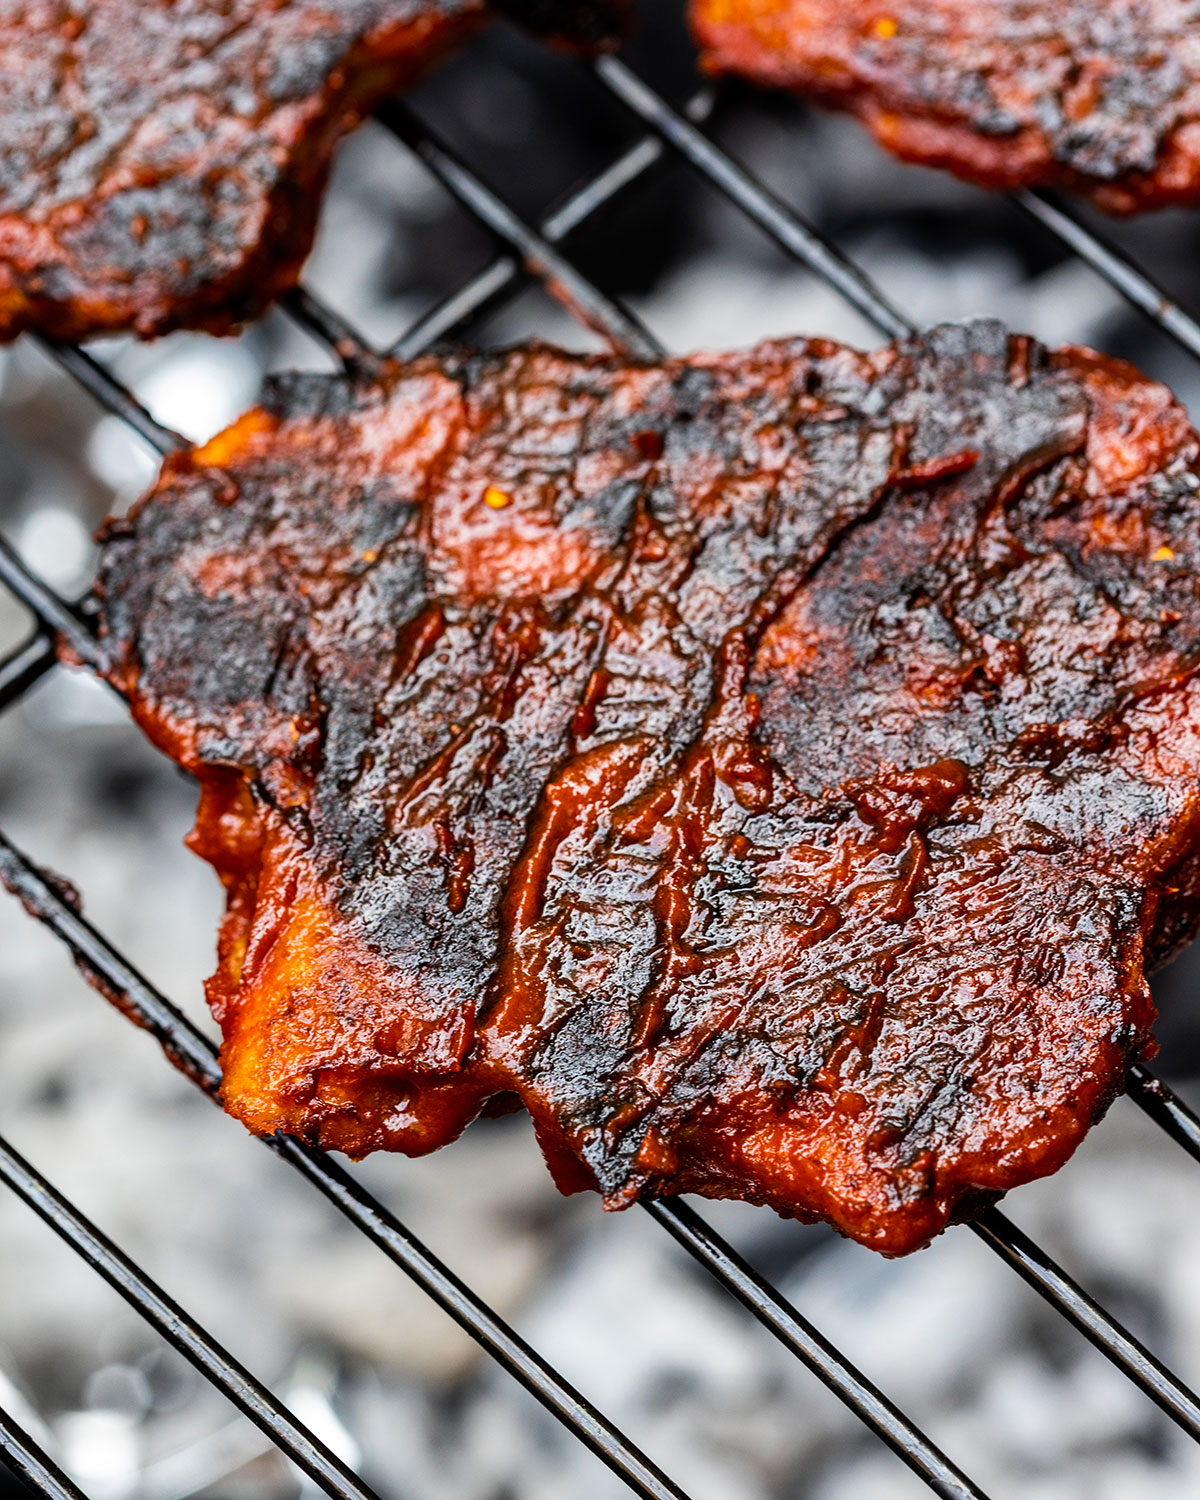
(162, 161)
(1099, 96)
(776, 769)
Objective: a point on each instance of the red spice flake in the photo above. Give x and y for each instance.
(648, 443)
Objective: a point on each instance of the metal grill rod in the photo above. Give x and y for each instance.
(1165, 1108)
(1113, 1341)
(796, 1333)
(21, 668)
(181, 1330)
(799, 238)
(560, 276)
(53, 614)
(110, 392)
(196, 1056)
(328, 328)
(505, 274)
(1114, 266)
(28, 1460)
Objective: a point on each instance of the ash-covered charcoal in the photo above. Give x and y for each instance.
(1103, 99)
(162, 164)
(775, 768)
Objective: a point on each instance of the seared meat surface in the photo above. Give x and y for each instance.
(162, 161)
(776, 768)
(1099, 96)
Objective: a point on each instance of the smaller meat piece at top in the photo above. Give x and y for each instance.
(162, 163)
(1101, 97)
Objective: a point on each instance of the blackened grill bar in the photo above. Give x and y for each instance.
(1138, 289)
(21, 668)
(174, 1324)
(504, 275)
(570, 287)
(793, 234)
(1165, 1108)
(42, 898)
(327, 328)
(30, 1462)
(99, 382)
(54, 615)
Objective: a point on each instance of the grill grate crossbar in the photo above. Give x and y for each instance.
(109, 391)
(181, 1330)
(558, 273)
(528, 251)
(785, 226)
(32, 1464)
(1165, 1108)
(25, 666)
(504, 275)
(54, 615)
(1138, 289)
(1116, 1343)
(796, 1333)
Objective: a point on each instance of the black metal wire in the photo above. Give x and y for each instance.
(797, 1334)
(1165, 1108)
(542, 259)
(796, 236)
(1113, 1341)
(25, 666)
(54, 615)
(302, 1446)
(1113, 265)
(31, 1463)
(110, 392)
(504, 275)
(328, 328)
(536, 254)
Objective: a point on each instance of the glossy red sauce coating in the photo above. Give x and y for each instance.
(782, 793)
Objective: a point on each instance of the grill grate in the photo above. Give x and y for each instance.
(528, 251)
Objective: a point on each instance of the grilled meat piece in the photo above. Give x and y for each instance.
(162, 161)
(1098, 96)
(774, 768)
